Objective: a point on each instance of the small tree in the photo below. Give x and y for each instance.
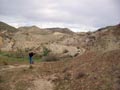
(46, 51)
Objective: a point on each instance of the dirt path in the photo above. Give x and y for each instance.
(10, 67)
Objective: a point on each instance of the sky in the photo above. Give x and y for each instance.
(78, 15)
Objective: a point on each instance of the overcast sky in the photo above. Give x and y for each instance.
(78, 15)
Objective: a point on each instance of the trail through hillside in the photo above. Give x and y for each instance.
(10, 67)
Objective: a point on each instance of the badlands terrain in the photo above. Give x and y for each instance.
(64, 60)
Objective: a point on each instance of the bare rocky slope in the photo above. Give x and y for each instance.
(105, 39)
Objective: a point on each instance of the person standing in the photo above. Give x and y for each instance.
(30, 57)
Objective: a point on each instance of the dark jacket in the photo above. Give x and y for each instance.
(31, 54)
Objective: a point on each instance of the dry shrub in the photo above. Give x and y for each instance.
(65, 51)
(50, 58)
(30, 67)
(0, 78)
(5, 63)
(67, 76)
(78, 75)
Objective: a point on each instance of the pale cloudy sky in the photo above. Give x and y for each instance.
(78, 15)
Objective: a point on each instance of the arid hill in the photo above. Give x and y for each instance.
(60, 39)
(79, 61)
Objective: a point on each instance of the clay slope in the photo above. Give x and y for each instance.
(92, 71)
(104, 39)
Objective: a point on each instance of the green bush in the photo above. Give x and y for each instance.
(46, 51)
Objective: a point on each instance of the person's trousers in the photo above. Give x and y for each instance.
(30, 59)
